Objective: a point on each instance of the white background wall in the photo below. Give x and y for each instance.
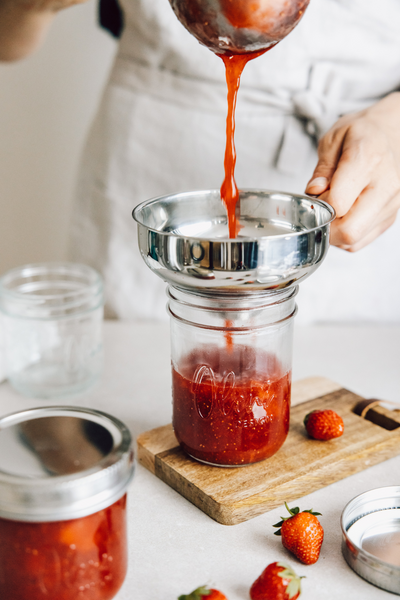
(46, 105)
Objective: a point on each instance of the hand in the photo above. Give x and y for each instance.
(23, 24)
(46, 5)
(358, 173)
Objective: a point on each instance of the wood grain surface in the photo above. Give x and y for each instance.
(301, 466)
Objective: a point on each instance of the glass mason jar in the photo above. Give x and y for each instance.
(52, 317)
(64, 473)
(231, 373)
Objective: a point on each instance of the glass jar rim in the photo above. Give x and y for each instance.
(240, 312)
(277, 297)
(233, 329)
(35, 493)
(86, 296)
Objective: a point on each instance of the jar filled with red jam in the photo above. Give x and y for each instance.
(64, 473)
(231, 373)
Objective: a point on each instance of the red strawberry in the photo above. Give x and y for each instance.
(302, 534)
(323, 424)
(205, 593)
(276, 582)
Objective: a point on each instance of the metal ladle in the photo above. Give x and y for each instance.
(239, 26)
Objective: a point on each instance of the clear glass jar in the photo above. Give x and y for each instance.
(231, 373)
(52, 325)
(64, 473)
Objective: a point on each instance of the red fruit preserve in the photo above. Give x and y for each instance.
(234, 65)
(231, 404)
(64, 474)
(82, 558)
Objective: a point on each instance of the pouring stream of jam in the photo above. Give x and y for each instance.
(231, 403)
(234, 65)
(237, 31)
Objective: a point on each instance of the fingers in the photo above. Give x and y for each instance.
(364, 164)
(329, 152)
(352, 158)
(371, 214)
(317, 185)
(356, 174)
(370, 237)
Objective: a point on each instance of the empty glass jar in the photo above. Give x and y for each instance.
(52, 318)
(231, 373)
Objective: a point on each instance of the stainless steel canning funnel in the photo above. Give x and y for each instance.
(184, 239)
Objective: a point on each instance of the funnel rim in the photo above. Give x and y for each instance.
(236, 240)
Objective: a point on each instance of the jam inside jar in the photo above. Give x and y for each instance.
(65, 560)
(231, 374)
(64, 474)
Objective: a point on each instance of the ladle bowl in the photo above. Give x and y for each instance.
(183, 238)
(239, 26)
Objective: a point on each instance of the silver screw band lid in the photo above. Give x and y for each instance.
(60, 463)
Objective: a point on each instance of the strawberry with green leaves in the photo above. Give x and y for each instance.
(204, 593)
(276, 582)
(302, 534)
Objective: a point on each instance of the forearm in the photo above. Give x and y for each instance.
(22, 28)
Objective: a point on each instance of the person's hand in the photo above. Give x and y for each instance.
(358, 173)
(46, 5)
(23, 24)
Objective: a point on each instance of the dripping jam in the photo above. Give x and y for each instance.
(234, 65)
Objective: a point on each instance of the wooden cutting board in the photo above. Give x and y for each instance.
(301, 466)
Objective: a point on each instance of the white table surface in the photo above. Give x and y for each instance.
(173, 546)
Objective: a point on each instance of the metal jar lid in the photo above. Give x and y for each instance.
(371, 537)
(59, 463)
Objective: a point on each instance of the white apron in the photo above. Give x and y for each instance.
(160, 128)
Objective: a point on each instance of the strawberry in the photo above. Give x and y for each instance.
(276, 582)
(302, 534)
(323, 424)
(204, 593)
